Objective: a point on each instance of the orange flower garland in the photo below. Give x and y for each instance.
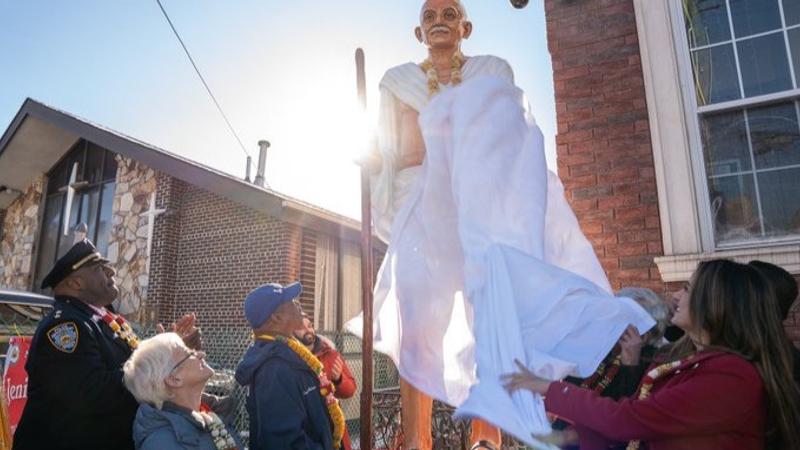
(604, 374)
(457, 62)
(326, 388)
(121, 328)
(647, 386)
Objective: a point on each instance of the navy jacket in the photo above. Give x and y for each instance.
(173, 427)
(76, 399)
(284, 403)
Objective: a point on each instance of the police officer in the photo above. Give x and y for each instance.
(76, 399)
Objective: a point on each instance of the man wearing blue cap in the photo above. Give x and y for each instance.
(285, 403)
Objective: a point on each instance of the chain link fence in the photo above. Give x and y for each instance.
(225, 349)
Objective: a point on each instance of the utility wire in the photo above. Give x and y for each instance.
(208, 89)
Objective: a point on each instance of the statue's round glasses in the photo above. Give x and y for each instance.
(448, 14)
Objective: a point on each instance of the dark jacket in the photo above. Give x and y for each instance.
(76, 399)
(284, 402)
(172, 427)
(713, 400)
(617, 381)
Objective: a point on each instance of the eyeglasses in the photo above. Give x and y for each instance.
(189, 354)
(449, 14)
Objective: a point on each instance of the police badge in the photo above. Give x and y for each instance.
(64, 337)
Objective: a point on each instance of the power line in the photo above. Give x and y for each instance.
(203, 80)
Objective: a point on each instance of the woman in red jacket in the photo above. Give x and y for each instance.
(727, 385)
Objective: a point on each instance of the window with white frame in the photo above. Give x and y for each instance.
(745, 67)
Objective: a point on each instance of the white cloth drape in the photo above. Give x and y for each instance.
(326, 283)
(486, 264)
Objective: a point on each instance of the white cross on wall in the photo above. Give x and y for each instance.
(71, 188)
(151, 214)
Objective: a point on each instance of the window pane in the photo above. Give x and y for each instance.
(93, 172)
(780, 201)
(104, 228)
(110, 170)
(725, 143)
(754, 16)
(59, 176)
(50, 230)
(715, 75)
(765, 67)
(794, 43)
(791, 10)
(775, 136)
(734, 208)
(68, 240)
(89, 205)
(706, 22)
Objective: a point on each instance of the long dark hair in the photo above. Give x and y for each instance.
(737, 307)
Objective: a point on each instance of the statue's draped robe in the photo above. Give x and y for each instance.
(486, 262)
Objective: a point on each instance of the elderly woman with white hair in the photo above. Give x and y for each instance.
(167, 378)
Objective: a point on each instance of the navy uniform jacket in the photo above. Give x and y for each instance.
(76, 399)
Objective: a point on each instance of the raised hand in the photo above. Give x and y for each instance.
(186, 328)
(631, 344)
(524, 379)
(336, 370)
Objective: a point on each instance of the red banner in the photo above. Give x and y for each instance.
(15, 378)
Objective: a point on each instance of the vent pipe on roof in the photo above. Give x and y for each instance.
(247, 170)
(262, 162)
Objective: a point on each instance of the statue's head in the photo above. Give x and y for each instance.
(443, 24)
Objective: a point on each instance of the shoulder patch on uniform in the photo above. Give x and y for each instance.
(64, 336)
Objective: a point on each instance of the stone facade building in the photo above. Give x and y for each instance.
(182, 236)
(678, 136)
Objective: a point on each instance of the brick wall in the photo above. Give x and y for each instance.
(603, 141)
(220, 251)
(163, 264)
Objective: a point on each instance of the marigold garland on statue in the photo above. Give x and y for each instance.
(456, 63)
(326, 388)
(647, 385)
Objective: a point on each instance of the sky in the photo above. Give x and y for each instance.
(282, 70)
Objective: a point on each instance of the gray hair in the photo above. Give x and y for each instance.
(654, 305)
(148, 367)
